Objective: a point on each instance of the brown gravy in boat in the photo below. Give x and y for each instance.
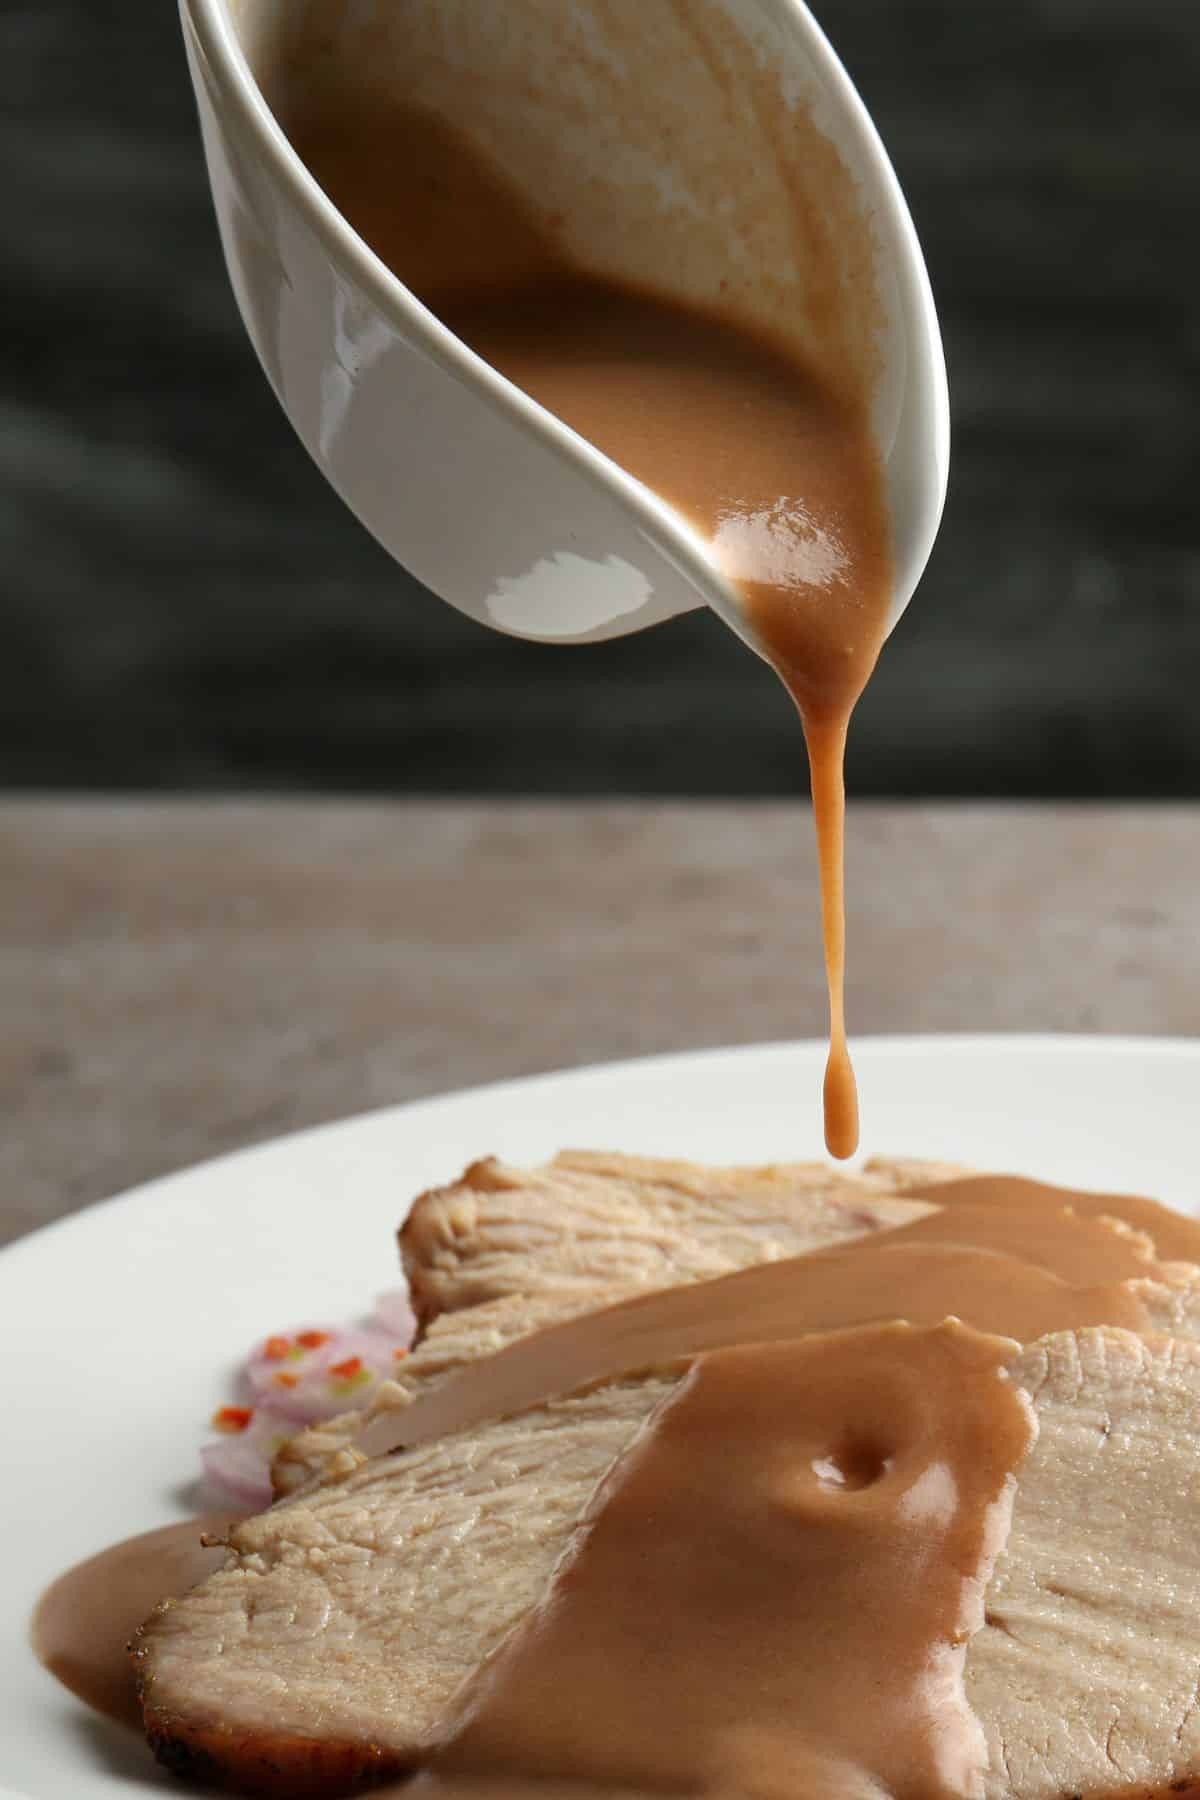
(774, 462)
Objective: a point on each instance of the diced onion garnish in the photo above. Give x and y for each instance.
(299, 1377)
(341, 1370)
(238, 1467)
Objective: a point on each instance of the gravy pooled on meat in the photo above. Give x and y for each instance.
(777, 1586)
(1064, 1268)
(773, 461)
(797, 1632)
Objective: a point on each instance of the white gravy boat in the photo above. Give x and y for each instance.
(644, 122)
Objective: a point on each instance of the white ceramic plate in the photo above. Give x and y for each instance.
(122, 1325)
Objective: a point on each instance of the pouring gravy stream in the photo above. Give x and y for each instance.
(774, 461)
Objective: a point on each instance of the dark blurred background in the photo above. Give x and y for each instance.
(185, 604)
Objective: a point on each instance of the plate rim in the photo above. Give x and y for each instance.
(1145, 1065)
(1164, 1047)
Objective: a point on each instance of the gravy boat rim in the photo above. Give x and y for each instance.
(680, 543)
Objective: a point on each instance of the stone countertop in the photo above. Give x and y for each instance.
(181, 978)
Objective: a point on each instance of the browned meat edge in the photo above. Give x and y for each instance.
(276, 1767)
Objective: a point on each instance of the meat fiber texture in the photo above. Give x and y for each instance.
(589, 1222)
(505, 1251)
(328, 1649)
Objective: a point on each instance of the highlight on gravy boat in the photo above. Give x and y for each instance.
(765, 446)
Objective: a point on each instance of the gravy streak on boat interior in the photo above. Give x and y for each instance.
(773, 461)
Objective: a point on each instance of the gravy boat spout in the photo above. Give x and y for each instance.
(714, 151)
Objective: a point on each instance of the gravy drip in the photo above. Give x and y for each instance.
(774, 462)
(794, 1634)
(1009, 1257)
(83, 1625)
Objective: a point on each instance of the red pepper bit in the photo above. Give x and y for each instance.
(284, 1378)
(344, 1370)
(312, 1340)
(400, 1354)
(277, 1349)
(232, 1418)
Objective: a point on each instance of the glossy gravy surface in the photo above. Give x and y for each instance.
(1008, 1256)
(798, 1632)
(771, 1595)
(773, 1590)
(774, 462)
